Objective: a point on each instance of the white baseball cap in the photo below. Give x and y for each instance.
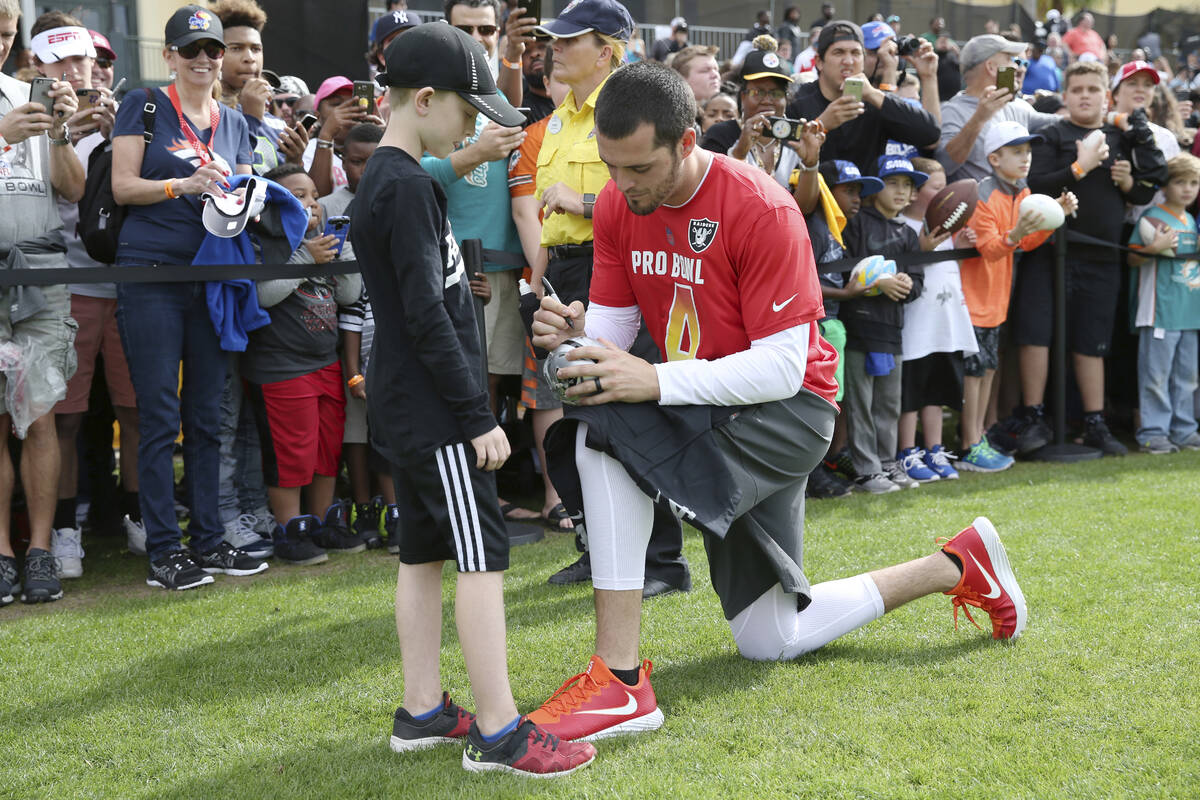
(1006, 132)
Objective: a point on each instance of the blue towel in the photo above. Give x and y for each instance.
(233, 304)
(880, 364)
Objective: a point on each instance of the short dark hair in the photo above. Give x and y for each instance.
(365, 133)
(493, 4)
(646, 92)
(285, 170)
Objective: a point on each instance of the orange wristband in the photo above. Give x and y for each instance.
(169, 191)
(509, 64)
(355, 380)
(1077, 171)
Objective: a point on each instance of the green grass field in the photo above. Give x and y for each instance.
(283, 685)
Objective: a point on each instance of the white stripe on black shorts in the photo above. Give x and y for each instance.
(449, 511)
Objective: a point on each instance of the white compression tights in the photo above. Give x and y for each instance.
(619, 518)
(771, 629)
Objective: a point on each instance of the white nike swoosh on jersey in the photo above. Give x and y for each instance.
(995, 587)
(781, 306)
(628, 708)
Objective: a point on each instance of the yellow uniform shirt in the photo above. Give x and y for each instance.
(569, 155)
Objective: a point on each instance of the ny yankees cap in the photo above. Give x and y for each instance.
(398, 20)
(441, 56)
(193, 23)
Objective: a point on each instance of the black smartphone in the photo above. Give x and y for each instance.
(307, 122)
(39, 92)
(1006, 78)
(339, 227)
(364, 95)
(533, 8)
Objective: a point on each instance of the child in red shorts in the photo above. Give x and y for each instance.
(294, 382)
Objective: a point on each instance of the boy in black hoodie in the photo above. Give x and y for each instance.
(874, 324)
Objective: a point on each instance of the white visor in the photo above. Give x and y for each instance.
(59, 43)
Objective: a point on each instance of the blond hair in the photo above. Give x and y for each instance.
(927, 165)
(1084, 68)
(10, 9)
(1184, 165)
(618, 49)
(681, 62)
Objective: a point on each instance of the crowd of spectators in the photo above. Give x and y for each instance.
(862, 124)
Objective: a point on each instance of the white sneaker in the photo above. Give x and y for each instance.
(896, 474)
(264, 522)
(135, 536)
(240, 534)
(66, 545)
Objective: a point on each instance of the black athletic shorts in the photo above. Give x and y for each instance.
(449, 512)
(1092, 290)
(977, 364)
(932, 380)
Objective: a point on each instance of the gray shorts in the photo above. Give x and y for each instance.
(769, 449)
(52, 332)
(988, 357)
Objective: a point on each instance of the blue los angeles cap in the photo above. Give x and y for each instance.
(898, 165)
(837, 172)
(607, 17)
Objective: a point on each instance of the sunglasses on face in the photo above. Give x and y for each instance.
(766, 94)
(191, 50)
(484, 30)
(287, 101)
(104, 63)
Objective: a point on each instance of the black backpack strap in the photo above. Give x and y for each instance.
(148, 117)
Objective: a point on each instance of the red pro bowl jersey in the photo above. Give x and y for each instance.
(731, 265)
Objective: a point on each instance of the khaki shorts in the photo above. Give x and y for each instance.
(97, 336)
(356, 420)
(502, 322)
(52, 329)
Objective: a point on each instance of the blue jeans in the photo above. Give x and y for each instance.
(162, 325)
(1167, 384)
(242, 486)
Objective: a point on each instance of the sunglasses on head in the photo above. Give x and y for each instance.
(104, 63)
(484, 30)
(211, 49)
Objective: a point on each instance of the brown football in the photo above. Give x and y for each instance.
(950, 208)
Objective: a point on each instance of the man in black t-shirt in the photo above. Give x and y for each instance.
(429, 413)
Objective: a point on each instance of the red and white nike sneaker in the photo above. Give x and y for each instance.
(595, 704)
(987, 580)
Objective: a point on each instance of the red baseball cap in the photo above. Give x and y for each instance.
(331, 86)
(1127, 71)
(103, 48)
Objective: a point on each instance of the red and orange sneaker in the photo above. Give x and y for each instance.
(528, 751)
(595, 705)
(987, 580)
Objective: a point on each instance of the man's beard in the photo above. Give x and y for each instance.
(658, 194)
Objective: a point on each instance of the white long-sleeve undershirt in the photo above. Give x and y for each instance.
(772, 369)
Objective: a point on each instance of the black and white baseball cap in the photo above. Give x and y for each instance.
(441, 56)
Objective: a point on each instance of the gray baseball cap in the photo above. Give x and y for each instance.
(980, 48)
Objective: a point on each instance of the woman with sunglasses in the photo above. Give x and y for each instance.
(763, 95)
(197, 144)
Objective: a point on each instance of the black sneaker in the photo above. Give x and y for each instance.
(294, 543)
(1002, 436)
(366, 524)
(9, 584)
(228, 560)
(177, 571)
(577, 572)
(391, 526)
(448, 725)
(334, 533)
(41, 578)
(528, 751)
(824, 484)
(1034, 434)
(1097, 435)
(841, 464)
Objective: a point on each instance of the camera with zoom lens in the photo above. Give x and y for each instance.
(908, 45)
(785, 129)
